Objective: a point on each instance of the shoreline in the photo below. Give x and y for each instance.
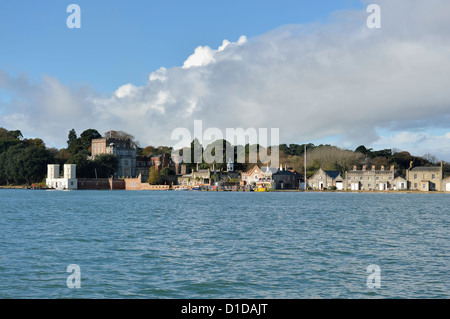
(26, 187)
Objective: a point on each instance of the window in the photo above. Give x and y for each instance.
(415, 185)
(433, 176)
(415, 176)
(361, 178)
(377, 178)
(424, 186)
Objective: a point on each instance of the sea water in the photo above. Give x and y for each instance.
(166, 244)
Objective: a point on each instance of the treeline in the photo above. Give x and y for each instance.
(327, 157)
(331, 157)
(22, 160)
(25, 160)
(221, 146)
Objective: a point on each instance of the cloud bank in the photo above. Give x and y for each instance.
(337, 79)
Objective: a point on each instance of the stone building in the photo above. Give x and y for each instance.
(370, 179)
(425, 178)
(207, 177)
(200, 177)
(258, 177)
(326, 179)
(399, 184)
(143, 164)
(124, 149)
(287, 178)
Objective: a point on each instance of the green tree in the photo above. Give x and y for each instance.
(153, 176)
(85, 167)
(72, 137)
(21, 164)
(362, 149)
(87, 136)
(35, 142)
(35, 160)
(106, 165)
(167, 171)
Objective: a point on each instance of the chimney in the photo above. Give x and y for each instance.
(364, 167)
(410, 164)
(392, 167)
(382, 167)
(354, 167)
(373, 167)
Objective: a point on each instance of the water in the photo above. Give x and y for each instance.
(169, 244)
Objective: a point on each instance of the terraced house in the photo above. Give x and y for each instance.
(425, 178)
(370, 179)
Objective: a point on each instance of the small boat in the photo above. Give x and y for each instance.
(260, 189)
(181, 189)
(196, 188)
(59, 188)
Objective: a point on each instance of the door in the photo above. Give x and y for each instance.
(447, 188)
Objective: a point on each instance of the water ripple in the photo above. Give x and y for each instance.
(223, 245)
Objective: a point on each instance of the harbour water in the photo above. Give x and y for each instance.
(166, 244)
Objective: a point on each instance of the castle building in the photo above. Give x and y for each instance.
(124, 149)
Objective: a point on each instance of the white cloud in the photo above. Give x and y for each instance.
(204, 55)
(417, 143)
(159, 75)
(311, 81)
(125, 90)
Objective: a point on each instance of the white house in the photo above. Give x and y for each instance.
(69, 181)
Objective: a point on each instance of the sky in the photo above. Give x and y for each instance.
(312, 69)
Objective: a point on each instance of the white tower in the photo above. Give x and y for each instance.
(53, 171)
(70, 171)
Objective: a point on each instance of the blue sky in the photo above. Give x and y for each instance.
(313, 69)
(122, 41)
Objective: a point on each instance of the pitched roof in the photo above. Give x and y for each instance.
(333, 174)
(283, 173)
(427, 168)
